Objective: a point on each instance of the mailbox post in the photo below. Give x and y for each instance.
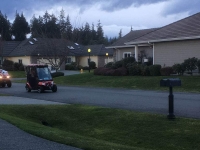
(171, 82)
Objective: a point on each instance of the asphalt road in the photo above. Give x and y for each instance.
(185, 104)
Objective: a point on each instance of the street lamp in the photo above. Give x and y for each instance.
(107, 57)
(89, 50)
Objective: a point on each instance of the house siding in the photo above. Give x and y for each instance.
(25, 59)
(170, 53)
(83, 61)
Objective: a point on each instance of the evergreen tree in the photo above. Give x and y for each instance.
(20, 27)
(5, 33)
(62, 24)
(120, 34)
(100, 38)
(86, 36)
(36, 26)
(68, 28)
(50, 27)
(93, 36)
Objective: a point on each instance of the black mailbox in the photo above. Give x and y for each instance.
(170, 82)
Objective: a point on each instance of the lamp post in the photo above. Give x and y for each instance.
(89, 50)
(107, 57)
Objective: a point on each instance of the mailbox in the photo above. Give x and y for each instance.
(170, 82)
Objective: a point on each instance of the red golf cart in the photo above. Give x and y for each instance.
(39, 78)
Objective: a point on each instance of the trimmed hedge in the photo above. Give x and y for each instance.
(110, 72)
(166, 71)
(155, 70)
(57, 74)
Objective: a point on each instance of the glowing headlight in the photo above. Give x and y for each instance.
(1, 77)
(7, 76)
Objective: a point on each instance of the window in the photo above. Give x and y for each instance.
(69, 60)
(126, 54)
(20, 61)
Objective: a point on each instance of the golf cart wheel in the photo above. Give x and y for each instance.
(40, 89)
(27, 88)
(54, 88)
(3, 85)
(9, 84)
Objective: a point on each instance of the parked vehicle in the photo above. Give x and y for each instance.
(39, 78)
(5, 79)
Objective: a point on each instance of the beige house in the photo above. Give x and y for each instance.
(97, 55)
(168, 45)
(41, 51)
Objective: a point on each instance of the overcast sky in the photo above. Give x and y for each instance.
(113, 14)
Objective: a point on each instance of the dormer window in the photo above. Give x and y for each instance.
(70, 47)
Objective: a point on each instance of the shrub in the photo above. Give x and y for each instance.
(8, 65)
(92, 65)
(155, 70)
(57, 74)
(18, 66)
(191, 64)
(69, 67)
(198, 65)
(179, 68)
(166, 71)
(121, 71)
(109, 65)
(128, 60)
(145, 71)
(134, 69)
(118, 64)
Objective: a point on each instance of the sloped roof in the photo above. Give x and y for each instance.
(8, 47)
(187, 28)
(39, 46)
(131, 36)
(96, 50)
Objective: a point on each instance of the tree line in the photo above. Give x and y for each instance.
(50, 26)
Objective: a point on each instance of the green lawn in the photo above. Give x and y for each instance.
(96, 128)
(189, 83)
(17, 74)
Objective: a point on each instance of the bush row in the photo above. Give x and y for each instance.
(75, 66)
(57, 74)
(11, 66)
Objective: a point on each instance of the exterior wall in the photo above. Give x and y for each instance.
(83, 61)
(119, 53)
(102, 60)
(25, 59)
(169, 53)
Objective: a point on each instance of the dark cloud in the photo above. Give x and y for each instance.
(181, 6)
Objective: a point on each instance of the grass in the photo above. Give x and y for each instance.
(96, 128)
(17, 74)
(189, 83)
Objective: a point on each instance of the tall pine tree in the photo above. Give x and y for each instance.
(20, 27)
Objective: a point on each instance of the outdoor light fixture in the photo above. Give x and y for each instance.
(89, 50)
(107, 57)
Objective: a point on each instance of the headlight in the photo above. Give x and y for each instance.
(7, 76)
(1, 77)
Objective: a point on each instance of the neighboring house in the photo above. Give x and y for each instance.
(97, 54)
(122, 50)
(172, 43)
(39, 50)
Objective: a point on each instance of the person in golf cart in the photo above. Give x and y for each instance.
(39, 78)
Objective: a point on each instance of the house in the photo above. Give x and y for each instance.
(42, 51)
(97, 54)
(122, 50)
(172, 43)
